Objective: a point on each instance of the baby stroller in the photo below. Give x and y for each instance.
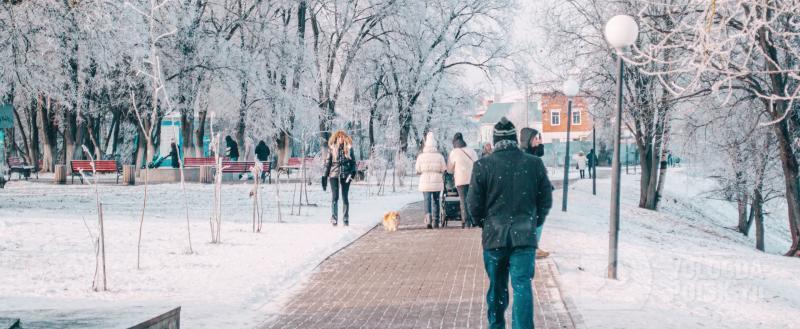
(451, 203)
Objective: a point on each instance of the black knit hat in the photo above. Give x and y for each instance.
(504, 130)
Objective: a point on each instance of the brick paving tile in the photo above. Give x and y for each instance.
(412, 278)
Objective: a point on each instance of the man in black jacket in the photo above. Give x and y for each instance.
(510, 195)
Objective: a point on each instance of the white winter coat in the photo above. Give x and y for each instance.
(430, 165)
(459, 163)
(580, 161)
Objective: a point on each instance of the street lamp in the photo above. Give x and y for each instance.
(571, 89)
(621, 31)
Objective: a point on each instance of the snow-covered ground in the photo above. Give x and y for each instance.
(47, 260)
(681, 267)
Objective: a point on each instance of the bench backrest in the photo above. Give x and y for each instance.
(237, 166)
(100, 165)
(15, 162)
(197, 162)
(295, 162)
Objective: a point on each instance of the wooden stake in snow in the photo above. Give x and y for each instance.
(100, 245)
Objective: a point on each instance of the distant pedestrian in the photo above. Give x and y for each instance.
(487, 149)
(509, 196)
(531, 142)
(262, 155)
(173, 153)
(232, 148)
(340, 169)
(580, 164)
(459, 163)
(592, 162)
(430, 166)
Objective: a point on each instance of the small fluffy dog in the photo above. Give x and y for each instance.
(391, 221)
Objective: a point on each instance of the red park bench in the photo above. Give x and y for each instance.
(101, 167)
(18, 165)
(197, 162)
(294, 164)
(243, 167)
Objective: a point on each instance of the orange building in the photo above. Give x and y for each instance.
(554, 118)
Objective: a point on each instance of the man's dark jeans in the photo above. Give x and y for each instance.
(336, 183)
(517, 263)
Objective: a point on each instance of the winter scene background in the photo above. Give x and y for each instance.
(709, 195)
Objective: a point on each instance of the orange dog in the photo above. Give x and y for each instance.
(391, 221)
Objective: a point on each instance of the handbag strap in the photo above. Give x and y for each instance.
(465, 153)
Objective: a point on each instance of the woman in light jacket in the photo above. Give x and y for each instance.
(459, 163)
(580, 163)
(431, 165)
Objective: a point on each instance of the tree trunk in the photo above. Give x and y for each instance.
(70, 132)
(48, 132)
(790, 175)
(759, 218)
(741, 207)
(187, 126)
(200, 134)
(241, 125)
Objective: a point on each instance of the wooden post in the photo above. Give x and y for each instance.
(206, 174)
(60, 176)
(129, 175)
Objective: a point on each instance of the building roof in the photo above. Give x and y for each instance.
(511, 110)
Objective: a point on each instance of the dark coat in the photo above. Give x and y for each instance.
(262, 152)
(342, 166)
(233, 149)
(507, 201)
(176, 162)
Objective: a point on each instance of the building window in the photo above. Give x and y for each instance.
(576, 117)
(555, 118)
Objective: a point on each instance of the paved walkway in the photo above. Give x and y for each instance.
(412, 278)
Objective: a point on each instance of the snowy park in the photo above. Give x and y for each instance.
(309, 164)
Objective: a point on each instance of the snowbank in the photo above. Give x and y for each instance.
(46, 255)
(681, 267)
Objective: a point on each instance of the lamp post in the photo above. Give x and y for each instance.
(620, 31)
(571, 89)
(594, 159)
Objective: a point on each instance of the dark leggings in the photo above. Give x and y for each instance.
(335, 184)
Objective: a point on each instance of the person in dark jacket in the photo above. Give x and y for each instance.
(340, 168)
(509, 196)
(173, 152)
(591, 160)
(262, 154)
(531, 142)
(233, 148)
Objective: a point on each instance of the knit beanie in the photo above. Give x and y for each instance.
(504, 130)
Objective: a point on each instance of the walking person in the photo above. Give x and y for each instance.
(430, 166)
(591, 161)
(487, 149)
(340, 169)
(232, 148)
(459, 163)
(262, 155)
(173, 153)
(531, 143)
(580, 164)
(509, 203)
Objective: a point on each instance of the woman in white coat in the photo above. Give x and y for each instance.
(459, 163)
(580, 163)
(430, 166)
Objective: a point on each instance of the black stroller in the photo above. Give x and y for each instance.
(451, 203)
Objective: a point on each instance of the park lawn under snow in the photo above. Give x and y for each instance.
(47, 259)
(680, 267)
